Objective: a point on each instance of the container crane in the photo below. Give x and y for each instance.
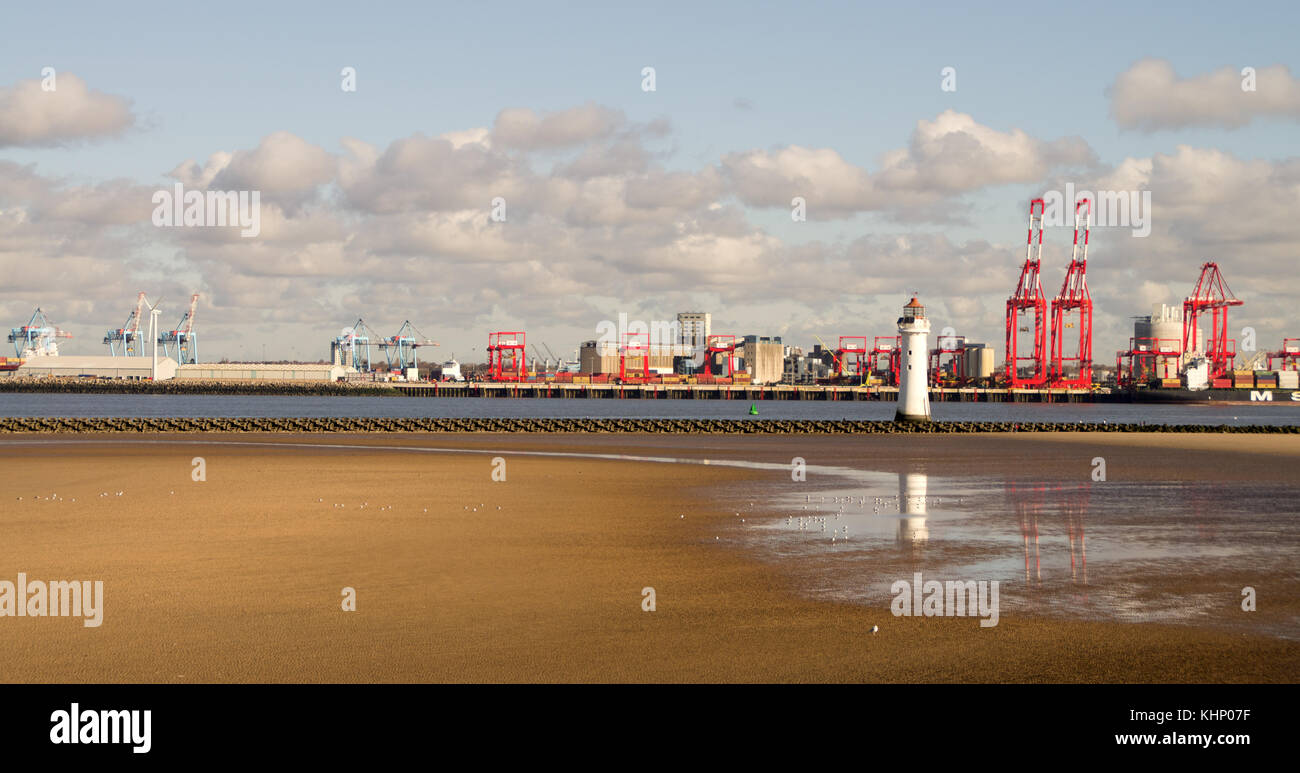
(889, 348)
(1289, 354)
(537, 357)
(128, 336)
(38, 338)
(1211, 294)
(353, 344)
(852, 355)
(183, 338)
(721, 343)
(635, 346)
(1029, 297)
(402, 347)
(1074, 297)
(506, 355)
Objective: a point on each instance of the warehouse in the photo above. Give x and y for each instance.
(263, 371)
(97, 366)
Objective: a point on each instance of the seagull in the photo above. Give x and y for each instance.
(875, 629)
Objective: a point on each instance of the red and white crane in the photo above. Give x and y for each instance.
(1211, 294)
(1029, 298)
(1074, 303)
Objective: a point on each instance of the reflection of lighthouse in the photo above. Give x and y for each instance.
(913, 388)
(911, 503)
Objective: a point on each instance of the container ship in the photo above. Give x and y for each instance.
(1246, 386)
(10, 364)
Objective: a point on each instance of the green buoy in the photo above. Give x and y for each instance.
(753, 409)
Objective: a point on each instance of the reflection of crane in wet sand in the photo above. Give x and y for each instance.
(1075, 504)
(1028, 502)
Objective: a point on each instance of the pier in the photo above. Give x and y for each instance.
(739, 392)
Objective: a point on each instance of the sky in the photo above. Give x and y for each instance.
(376, 203)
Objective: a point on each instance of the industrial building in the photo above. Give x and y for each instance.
(95, 366)
(597, 357)
(763, 358)
(696, 327)
(261, 371)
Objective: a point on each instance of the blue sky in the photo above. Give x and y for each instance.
(731, 77)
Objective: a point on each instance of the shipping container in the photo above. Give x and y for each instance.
(1221, 383)
(1289, 379)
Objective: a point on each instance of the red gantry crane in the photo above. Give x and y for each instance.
(635, 346)
(1289, 354)
(721, 343)
(1029, 297)
(506, 356)
(852, 356)
(1074, 301)
(1211, 294)
(890, 349)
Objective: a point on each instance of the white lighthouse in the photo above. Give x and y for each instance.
(914, 378)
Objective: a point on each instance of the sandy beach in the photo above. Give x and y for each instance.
(539, 578)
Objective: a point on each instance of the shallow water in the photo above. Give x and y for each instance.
(280, 406)
(1133, 552)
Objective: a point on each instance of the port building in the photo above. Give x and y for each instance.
(263, 371)
(97, 366)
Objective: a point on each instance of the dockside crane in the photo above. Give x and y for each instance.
(352, 346)
(400, 350)
(1211, 294)
(38, 338)
(1074, 301)
(128, 336)
(1029, 298)
(182, 338)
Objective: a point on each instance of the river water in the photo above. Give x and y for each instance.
(275, 406)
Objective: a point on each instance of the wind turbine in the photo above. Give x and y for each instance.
(153, 336)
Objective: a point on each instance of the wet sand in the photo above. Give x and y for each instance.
(239, 578)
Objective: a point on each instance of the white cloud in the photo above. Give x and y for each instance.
(1150, 96)
(946, 157)
(33, 117)
(525, 129)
